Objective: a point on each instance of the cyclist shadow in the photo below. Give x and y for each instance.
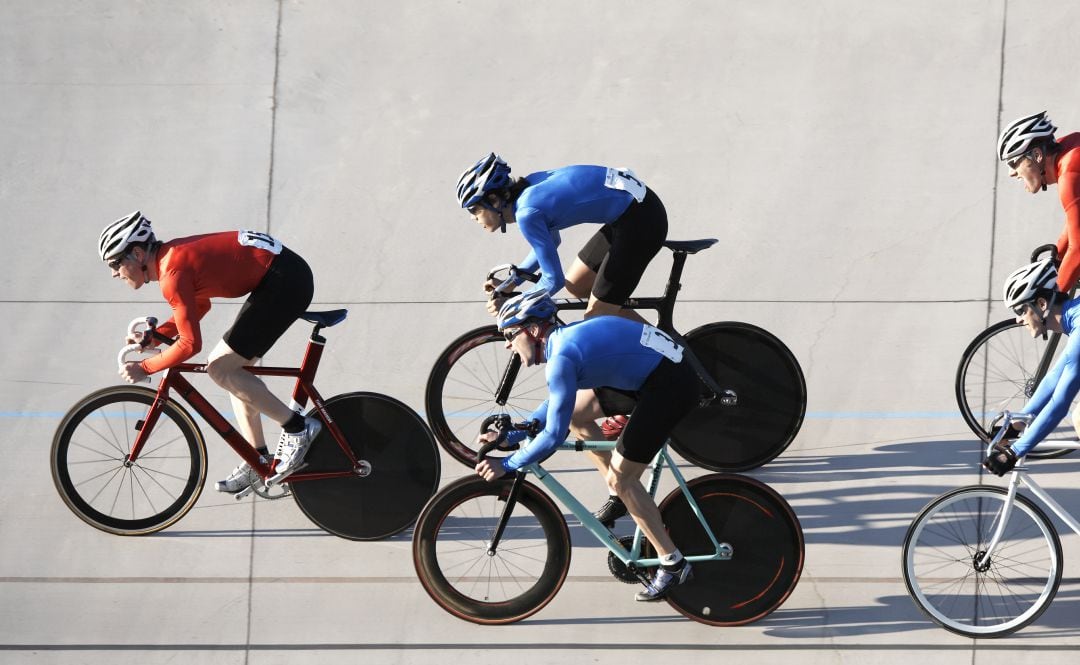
(893, 614)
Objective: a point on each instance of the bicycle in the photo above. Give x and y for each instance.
(498, 552)
(753, 393)
(129, 460)
(1001, 368)
(986, 561)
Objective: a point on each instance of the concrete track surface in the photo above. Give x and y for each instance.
(842, 151)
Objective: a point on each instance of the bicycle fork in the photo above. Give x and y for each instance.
(508, 509)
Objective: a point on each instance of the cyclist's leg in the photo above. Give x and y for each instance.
(634, 238)
(583, 425)
(625, 476)
(282, 295)
(666, 397)
(581, 277)
(250, 396)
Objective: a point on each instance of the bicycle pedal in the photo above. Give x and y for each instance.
(278, 478)
(244, 492)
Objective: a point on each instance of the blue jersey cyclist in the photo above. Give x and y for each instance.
(1032, 293)
(607, 270)
(604, 351)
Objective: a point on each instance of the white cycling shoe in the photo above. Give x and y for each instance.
(292, 448)
(241, 478)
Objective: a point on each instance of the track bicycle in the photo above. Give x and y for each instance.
(753, 390)
(985, 561)
(129, 460)
(1000, 370)
(498, 552)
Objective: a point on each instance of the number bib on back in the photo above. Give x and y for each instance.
(259, 241)
(658, 341)
(625, 180)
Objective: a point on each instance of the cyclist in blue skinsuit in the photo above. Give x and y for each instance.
(604, 351)
(1031, 292)
(609, 267)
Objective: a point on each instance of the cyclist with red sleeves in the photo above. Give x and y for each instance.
(230, 264)
(1033, 156)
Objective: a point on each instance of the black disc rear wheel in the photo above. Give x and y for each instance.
(766, 540)
(769, 393)
(404, 469)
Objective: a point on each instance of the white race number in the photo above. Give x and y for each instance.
(658, 341)
(260, 241)
(625, 180)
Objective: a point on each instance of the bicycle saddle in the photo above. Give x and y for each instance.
(325, 319)
(690, 246)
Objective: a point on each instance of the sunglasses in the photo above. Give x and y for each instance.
(1020, 309)
(509, 335)
(117, 262)
(1015, 163)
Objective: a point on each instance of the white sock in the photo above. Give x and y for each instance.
(671, 560)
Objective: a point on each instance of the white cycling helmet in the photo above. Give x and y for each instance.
(1017, 138)
(1025, 284)
(117, 236)
(520, 309)
(491, 173)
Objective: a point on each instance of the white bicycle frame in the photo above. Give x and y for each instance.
(1019, 477)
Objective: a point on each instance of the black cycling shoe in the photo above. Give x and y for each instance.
(611, 511)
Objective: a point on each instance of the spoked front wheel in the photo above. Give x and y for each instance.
(462, 390)
(766, 387)
(401, 468)
(949, 578)
(999, 370)
(470, 580)
(91, 471)
(766, 542)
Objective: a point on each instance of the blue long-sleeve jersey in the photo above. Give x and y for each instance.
(561, 198)
(1055, 393)
(601, 351)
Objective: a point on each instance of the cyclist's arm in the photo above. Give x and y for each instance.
(187, 311)
(562, 394)
(1068, 245)
(1052, 399)
(545, 249)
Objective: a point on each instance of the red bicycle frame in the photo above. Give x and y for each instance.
(303, 390)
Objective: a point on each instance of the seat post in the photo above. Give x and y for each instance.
(666, 311)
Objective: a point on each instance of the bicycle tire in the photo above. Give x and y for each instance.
(767, 542)
(997, 372)
(89, 469)
(405, 468)
(454, 567)
(771, 394)
(461, 389)
(940, 551)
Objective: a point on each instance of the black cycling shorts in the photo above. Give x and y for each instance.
(620, 251)
(668, 394)
(282, 295)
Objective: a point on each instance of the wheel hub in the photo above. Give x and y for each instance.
(980, 567)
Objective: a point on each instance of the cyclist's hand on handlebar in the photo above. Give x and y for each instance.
(490, 469)
(1001, 460)
(132, 372)
(496, 303)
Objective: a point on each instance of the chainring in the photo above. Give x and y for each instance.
(626, 574)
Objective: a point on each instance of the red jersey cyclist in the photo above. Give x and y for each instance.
(1034, 157)
(230, 264)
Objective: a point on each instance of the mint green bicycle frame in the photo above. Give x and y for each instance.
(721, 551)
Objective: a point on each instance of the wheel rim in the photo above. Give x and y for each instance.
(767, 547)
(459, 573)
(771, 399)
(110, 493)
(462, 386)
(942, 572)
(404, 469)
